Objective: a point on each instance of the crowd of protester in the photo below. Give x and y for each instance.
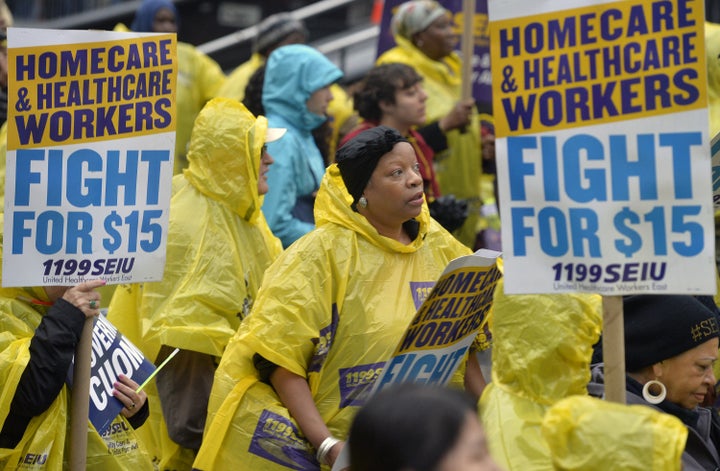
(300, 214)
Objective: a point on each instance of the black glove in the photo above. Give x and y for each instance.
(449, 212)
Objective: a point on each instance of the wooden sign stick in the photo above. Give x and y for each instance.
(80, 401)
(613, 345)
(467, 47)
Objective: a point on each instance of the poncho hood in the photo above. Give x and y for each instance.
(292, 74)
(218, 169)
(543, 343)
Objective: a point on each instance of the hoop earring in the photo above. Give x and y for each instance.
(649, 396)
(362, 202)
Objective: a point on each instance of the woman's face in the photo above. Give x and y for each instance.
(470, 452)
(437, 40)
(689, 376)
(319, 100)
(409, 106)
(394, 192)
(164, 21)
(265, 162)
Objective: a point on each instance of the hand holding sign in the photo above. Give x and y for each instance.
(126, 391)
(84, 297)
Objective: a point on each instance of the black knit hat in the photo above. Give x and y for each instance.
(359, 156)
(658, 327)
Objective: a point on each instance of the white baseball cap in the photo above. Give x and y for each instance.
(273, 134)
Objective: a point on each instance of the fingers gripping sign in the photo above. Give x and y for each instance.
(85, 297)
(126, 392)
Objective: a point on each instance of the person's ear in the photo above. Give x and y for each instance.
(657, 370)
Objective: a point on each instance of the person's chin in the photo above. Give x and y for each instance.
(414, 210)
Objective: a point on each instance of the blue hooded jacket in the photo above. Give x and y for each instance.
(292, 74)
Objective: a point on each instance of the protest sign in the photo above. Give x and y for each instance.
(444, 327)
(112, 355)
(91, 134)
(602, 146)
(481, 79)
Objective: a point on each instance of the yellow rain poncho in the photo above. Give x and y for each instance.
(199, 79)
(459, 168)
(219, 246)
(542, 345)
(45, 444)
(712, 51)
(341, 115)
(332, 309)
(587, 434)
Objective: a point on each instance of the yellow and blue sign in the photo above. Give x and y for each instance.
(445, 325)
(91, 133)
(602, 146)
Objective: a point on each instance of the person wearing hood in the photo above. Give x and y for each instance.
(199, 76)
(632, 437)
(425, 40)
(41, 330)
(218, 249)
(671, 345)
(542, 347)
(330, 312)
(295, 96)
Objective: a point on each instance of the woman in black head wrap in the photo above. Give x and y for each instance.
(381, 173)
(331, 311)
